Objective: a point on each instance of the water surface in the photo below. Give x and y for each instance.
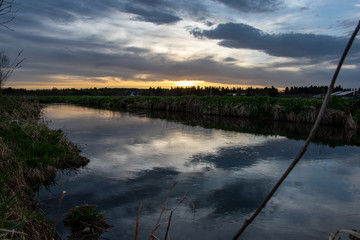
(225, 174)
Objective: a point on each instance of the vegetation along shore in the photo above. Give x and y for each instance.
(30, 156)
(340, 112)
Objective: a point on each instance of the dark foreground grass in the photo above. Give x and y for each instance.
(290, 104)
(86, 222)
(30, 155)
(262, 107)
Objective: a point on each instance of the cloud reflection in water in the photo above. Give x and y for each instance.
(227, 174)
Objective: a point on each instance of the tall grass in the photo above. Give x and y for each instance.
(19, 218)
(259, 106)
(308, 140)
(30, 155)
(164, 219)
(86, 222)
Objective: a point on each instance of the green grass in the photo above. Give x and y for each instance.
(33, 144)
(86, 222)
(30, 154)
(291, 104)
(19, 219)
(88, 214)
(259, 106)
(7, 106)
(356, 116)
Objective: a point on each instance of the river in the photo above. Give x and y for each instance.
(225, 174)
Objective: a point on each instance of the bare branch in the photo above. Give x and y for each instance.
(6, 7)
(7, 67)
(309, 139)
(5, 10)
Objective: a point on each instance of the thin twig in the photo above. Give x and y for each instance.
(168, 226)
(59, 208)
(356, 235)
(137, 221)
(6, 7)
(181, 201)
(166, 201)
(308, 140)
(157, 225)
(11, 231)
(152, 234)
(192, 204)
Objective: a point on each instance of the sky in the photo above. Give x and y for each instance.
(169, 43)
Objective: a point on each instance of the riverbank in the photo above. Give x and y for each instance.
(326, 135)
(136, 159)
(340, 112)
(30, 156)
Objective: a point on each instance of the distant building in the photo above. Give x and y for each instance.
(319, 95)
(352, 94)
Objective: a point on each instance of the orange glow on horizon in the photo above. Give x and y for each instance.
(187, 83)
(66, 81)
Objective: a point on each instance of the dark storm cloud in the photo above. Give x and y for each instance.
(155, 11)
(152, 15)
(209, 24)
(137, 50)
(239, 35)
(253, 5)
(304, 9)
(151, 3)
(67, 10)
(230, 59)
(243, 195)
(93, 57)
(90, 58)
(46, 31)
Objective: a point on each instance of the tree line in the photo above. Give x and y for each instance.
(177, 91)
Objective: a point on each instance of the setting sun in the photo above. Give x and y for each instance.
(186, 83)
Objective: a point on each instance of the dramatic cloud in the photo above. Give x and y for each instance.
(153, 16)
(152, 3)
(114, 42)
(253, 5)
(239, 35)
(66, 10)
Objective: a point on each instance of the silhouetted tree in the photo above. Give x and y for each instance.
(7, 67)
(6, 8)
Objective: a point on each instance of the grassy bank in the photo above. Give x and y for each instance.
(30, 155)
(302, 110)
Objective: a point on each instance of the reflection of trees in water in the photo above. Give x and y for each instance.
(328, 135)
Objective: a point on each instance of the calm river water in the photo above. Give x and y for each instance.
(225, 174)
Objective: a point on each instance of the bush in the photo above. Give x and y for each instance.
(86, 222)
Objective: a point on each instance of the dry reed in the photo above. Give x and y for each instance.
(309, 139)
